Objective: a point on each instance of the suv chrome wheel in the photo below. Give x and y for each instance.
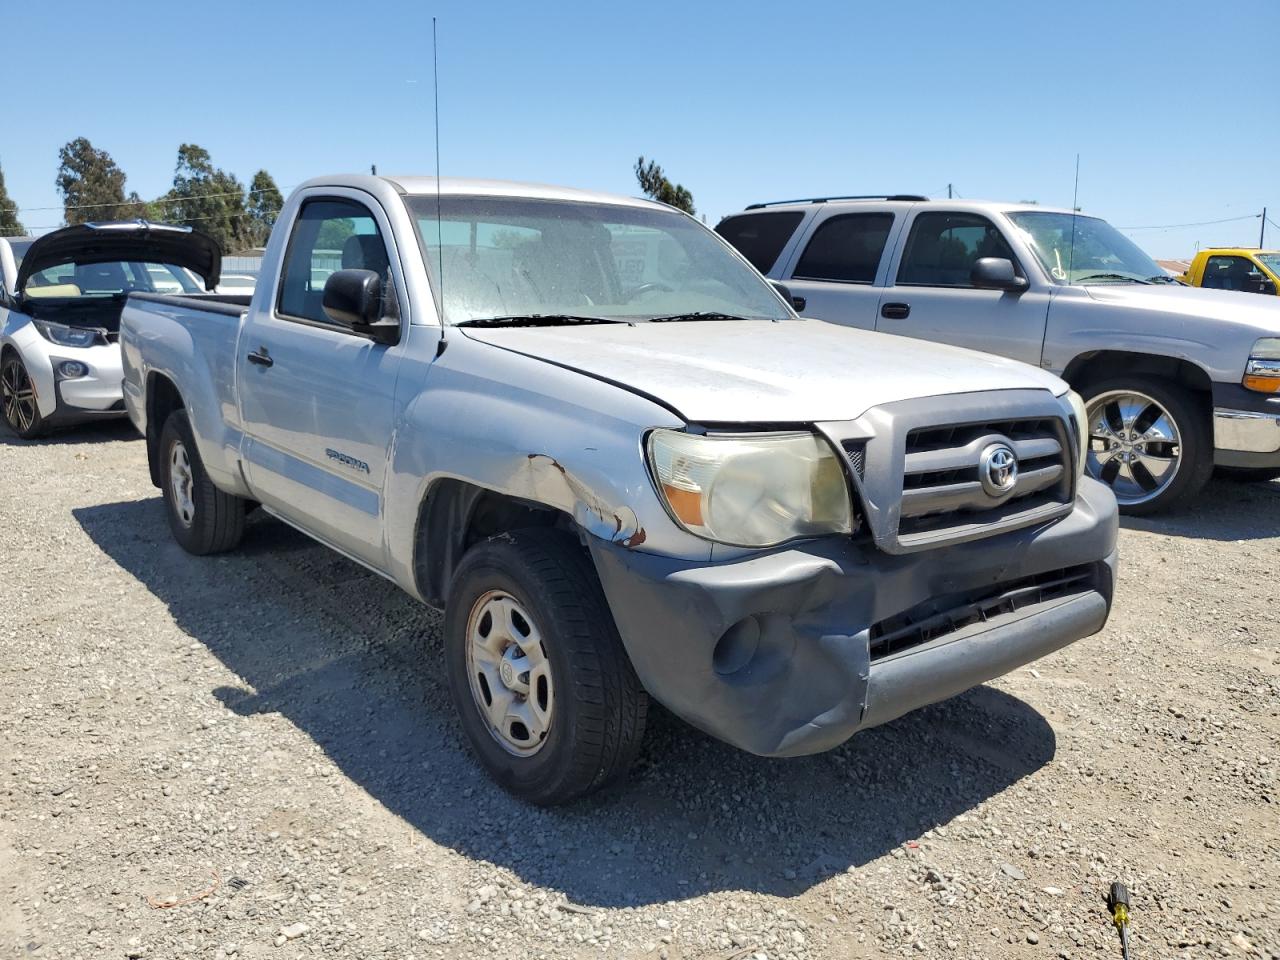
(18, 396)
(510, 675)
(1135, 446)
(180, 482)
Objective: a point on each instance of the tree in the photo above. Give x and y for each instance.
(10, 225)
(263, 207)
(208, 199)
(91, 184)
(656, 185)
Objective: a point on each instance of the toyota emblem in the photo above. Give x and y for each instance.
(998, 469)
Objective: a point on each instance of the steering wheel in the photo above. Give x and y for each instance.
(646, 288)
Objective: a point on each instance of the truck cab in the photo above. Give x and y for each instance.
(1235, 268)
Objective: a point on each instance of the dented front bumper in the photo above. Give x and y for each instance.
(780, 653)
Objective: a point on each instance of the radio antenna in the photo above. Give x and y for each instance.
(1075, 212)
(435, 86)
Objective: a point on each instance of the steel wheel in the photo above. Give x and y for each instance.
(18, 396)
(510, 675)
(1135, 446)
(180, 483)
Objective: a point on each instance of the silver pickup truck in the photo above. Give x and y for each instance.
(606, 446)
(1176, 380)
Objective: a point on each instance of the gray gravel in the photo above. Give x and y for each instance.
(272, 724)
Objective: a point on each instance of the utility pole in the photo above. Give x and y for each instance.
(1262, 236)
(948, 191)
(373, 169)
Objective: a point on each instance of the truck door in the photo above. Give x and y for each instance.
(837, 265)
(317, 400)
(929, 294)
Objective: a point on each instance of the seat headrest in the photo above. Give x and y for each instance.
(365, 251)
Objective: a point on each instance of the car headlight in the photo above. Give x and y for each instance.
(751, 490)
(1262, 372)
(1082, 429)
(65, 336)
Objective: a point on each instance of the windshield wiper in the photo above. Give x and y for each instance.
(535, 320)
(1109, 276)
(697, 315)
(1165, 278)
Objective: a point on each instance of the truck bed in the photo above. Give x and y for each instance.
(233, 304)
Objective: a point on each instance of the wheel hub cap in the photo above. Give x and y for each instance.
(1134, 445)
(509, 673)
(180, 482)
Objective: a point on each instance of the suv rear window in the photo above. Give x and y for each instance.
(846, 248)
(760, 237)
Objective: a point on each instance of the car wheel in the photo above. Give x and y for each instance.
(1150, 442)
(537, 672)
(203, 518)
(18, 396)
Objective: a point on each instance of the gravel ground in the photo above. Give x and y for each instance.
(273, 724)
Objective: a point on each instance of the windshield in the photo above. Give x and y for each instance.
(108, 279)
(513, 257)
(1076, 249)
(1271, 261)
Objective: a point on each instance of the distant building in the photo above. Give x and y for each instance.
(1175, 267)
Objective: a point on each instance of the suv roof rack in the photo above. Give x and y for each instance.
(914, 197)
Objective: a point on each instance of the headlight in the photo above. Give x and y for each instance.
(1262, 372)
(1082, 429)
(753, 490)
(66, 336)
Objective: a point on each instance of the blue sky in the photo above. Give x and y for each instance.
(1172, 106)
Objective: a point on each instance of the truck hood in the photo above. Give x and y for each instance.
(134, 240)
(755, 371)
(1252, 310)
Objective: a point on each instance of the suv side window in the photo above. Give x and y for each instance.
(329, 235)
(846, 248)
(943, 247)
(760, 237)
(1229, 273)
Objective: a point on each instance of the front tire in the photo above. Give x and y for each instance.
(203, 518)
(1150, 442)
(18, 397)
(539, 677)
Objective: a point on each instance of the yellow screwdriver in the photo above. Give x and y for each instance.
(1118, 904)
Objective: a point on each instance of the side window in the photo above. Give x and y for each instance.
(760, 237)
(1229, 273)
(942, 248)
(846, 248)
(329, 235)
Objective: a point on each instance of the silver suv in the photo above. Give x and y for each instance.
(1175, 379)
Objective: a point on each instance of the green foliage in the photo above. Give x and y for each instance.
(91, 184)
(263, 206)
(334, 233)
(655, 184)
(10, 225)
(208, 199)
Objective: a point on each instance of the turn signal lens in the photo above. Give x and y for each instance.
(1262, 375)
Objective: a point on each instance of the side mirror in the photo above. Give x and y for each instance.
(353, 299)
(1268, 286)
(1257, 282)
(797, 303)
(996, 273)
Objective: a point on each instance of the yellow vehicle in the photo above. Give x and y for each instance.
(1236, 268)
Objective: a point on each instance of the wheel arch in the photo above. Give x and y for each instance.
(1098, 365)
(162, 398)
(456, 514)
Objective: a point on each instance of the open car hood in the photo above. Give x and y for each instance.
(132, 240)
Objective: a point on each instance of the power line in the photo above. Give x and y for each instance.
(128, 203)
(1201, 223)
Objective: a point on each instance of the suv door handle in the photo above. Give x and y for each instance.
(895, 311)
(261, 358)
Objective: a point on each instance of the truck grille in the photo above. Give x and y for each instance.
(940, 616)
(945, 492)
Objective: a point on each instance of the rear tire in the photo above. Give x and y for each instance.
(18, 397)
(542, 685)
(203, 518)
(1160, 426)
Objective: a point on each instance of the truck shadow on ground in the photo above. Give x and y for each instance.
(102, 431)
(354, 663)
(1225, 510)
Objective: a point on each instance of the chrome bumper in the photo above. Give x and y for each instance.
(1246, 430)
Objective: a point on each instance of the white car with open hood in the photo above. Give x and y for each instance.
(60, 302)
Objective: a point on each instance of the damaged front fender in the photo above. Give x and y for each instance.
(549, 482)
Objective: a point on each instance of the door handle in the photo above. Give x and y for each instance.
(895, 311)
(261, 358)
